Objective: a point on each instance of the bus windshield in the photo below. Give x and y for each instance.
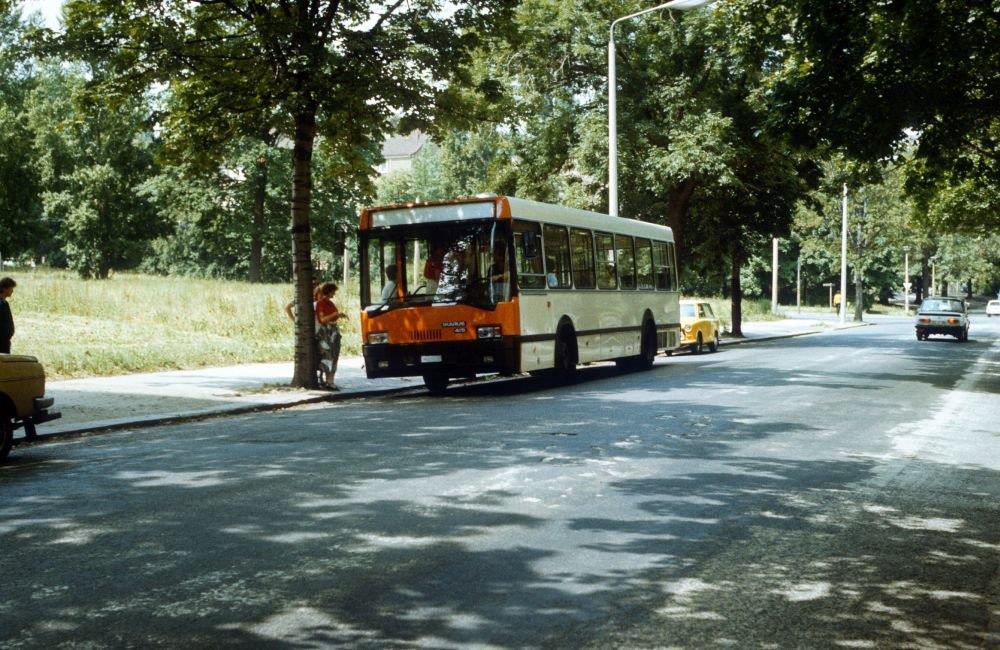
(440, 263)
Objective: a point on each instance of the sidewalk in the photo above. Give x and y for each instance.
(145, 399)
(149, 398)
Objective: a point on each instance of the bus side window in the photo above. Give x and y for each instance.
(528, 255)
(606, 275)
(644, 263)
(557, 257)
(660, 267)
(625, 248)
(582, 243)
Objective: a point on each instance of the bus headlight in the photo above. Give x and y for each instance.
(488, 332)
(378, 338)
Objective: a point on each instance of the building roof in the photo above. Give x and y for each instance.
(404, 146)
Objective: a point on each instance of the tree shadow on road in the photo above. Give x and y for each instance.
(611, 513)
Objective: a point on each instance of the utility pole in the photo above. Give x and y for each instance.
(843, 259)
(859, 293)
(906, 282)
(774, 275)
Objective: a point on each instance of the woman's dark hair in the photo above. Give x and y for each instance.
(328, 289)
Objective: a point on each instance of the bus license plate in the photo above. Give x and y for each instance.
(430, 358)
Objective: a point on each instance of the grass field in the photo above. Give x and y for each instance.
(135, 323)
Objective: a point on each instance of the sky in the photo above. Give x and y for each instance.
(48, 8)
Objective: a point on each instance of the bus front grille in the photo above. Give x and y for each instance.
(425, 335)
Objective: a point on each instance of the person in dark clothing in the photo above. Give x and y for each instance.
(6, 318)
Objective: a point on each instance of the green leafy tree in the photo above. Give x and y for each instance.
(325, 67)
(91, 158)
(22, 230)
(865, 77)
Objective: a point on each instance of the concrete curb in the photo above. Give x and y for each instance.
(775, 337)
(108, 426)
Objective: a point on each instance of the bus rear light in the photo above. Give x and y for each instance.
(488, 332)
(378, 338)
(953, 321)
(925, 320)
(383, 364)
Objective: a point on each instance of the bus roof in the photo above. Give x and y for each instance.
(506, 207)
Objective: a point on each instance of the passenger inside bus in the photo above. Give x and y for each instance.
(434, 266)
(388, 289)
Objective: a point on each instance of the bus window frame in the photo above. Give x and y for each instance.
(661, 265)
(593, 266)
(652, 272)
(630, 244)
(545, 258)
(516, 274)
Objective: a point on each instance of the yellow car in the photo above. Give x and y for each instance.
(22, 398)
(700, 327)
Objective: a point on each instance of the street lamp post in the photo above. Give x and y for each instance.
(843, 260)
(613, 92)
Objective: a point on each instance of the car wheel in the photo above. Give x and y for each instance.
(714, 345)
(436, 383)
(699, 345)
(6, 435)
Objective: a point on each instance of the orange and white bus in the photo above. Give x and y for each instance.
(499, 284)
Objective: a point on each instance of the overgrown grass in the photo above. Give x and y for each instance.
(135, 323)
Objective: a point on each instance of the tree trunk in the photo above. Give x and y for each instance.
(259, 199)
(859, 298)
(305, 330)
(678, 201)
(257, 228)
(736, 295)
(925, 273)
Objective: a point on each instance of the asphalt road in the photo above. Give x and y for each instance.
(838, 490)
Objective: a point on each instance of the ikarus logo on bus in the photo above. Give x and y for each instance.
(458, 326)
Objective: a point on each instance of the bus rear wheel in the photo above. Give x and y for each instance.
(436, 383)
(647, 353)
(565, 356)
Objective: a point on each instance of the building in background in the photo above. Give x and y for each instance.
(400, 150)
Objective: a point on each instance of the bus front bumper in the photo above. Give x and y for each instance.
(449, 358)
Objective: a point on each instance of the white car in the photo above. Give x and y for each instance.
(942, 315)
(993, 308)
